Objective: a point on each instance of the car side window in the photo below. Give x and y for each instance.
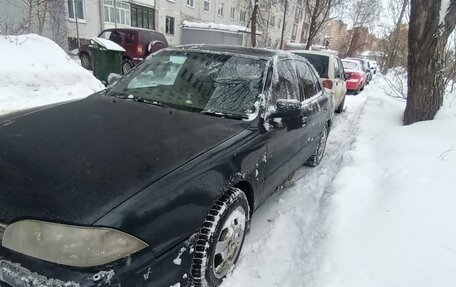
(307, 80)
(341, 69)
(336, 69)
(105, 35)
(285, 83)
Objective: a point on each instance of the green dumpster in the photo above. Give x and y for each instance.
(106, 58)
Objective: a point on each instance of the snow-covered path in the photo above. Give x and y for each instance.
(281, 247)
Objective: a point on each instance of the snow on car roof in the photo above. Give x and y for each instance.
(321, 53)
(254, 52)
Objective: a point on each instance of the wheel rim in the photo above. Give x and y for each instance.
(126, 68)
(229, 242)
(322, 144)
(85, 61)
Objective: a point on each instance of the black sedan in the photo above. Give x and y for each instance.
(153, 181)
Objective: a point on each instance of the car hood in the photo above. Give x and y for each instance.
(75, 162)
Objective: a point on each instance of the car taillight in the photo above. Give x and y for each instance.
(328, 84)
(139, 50)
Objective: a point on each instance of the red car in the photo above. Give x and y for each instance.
(137, 42)
(357, 78)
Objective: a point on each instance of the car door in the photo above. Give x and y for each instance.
(337, 81)
(315, 106)
(341, 81)
(284, 139)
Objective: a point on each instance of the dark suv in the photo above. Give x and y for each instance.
(138, 43)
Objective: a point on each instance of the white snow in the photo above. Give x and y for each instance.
(379, 210)
(444, 5)
(108, 44)
(35, 71)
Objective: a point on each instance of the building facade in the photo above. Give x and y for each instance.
(227, 21)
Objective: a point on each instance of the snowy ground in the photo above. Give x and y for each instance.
(379, 211)
(35, 71)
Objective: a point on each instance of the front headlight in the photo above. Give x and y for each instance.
(69, 245)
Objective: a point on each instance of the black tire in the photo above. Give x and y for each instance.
(205, 262)
(86, 62)
(362, 88)
(340, 108)
(319, 151)
(127, 65)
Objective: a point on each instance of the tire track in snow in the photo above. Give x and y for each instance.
(280, 249)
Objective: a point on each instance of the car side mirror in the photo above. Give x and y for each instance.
(113, 79)
(287, 109)
(346, 76)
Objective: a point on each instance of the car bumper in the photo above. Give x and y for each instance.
(144, 269)
(353, 85)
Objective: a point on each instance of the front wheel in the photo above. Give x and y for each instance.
(220, 239)
(319, 151)
(126, 66)
(340, 108)
(86, 62)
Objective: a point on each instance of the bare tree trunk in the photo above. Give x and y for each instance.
(283, 23)
(254, 23)
(427, 41)
(392, 53)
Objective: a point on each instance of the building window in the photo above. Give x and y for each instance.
(169, 25)
(294, 32)
(207, 6)
(119, 14)
(142, 17)
(272, 23)
(191, 3)
(242, 16)
(232, 12)
(220, 9)
(76, 7)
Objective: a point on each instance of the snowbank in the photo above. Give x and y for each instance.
(379, 210)
(35, 71)
(392, 217)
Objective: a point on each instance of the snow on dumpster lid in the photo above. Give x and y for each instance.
(213, 26)
(108, 44)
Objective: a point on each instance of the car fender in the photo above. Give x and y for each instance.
(172, 209)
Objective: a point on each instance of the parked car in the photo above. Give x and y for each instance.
(153, 181)
(373, 66)
(331, 72)
(138, 43)
(365, 67)
(356, 77)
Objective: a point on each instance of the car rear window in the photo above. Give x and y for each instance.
(350, 65)
(320, 62)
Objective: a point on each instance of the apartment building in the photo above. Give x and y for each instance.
(181, 21)
(337, 35)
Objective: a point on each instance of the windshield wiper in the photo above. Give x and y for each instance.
(223, 115)
(139, 100)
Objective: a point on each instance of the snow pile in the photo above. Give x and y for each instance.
(35, 71)
(392, 216)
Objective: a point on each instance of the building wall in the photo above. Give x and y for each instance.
(14, 20)
(88, 27)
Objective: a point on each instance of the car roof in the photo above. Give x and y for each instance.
(351, 61)
(132, 29)
(321, 53)
(231, 49)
